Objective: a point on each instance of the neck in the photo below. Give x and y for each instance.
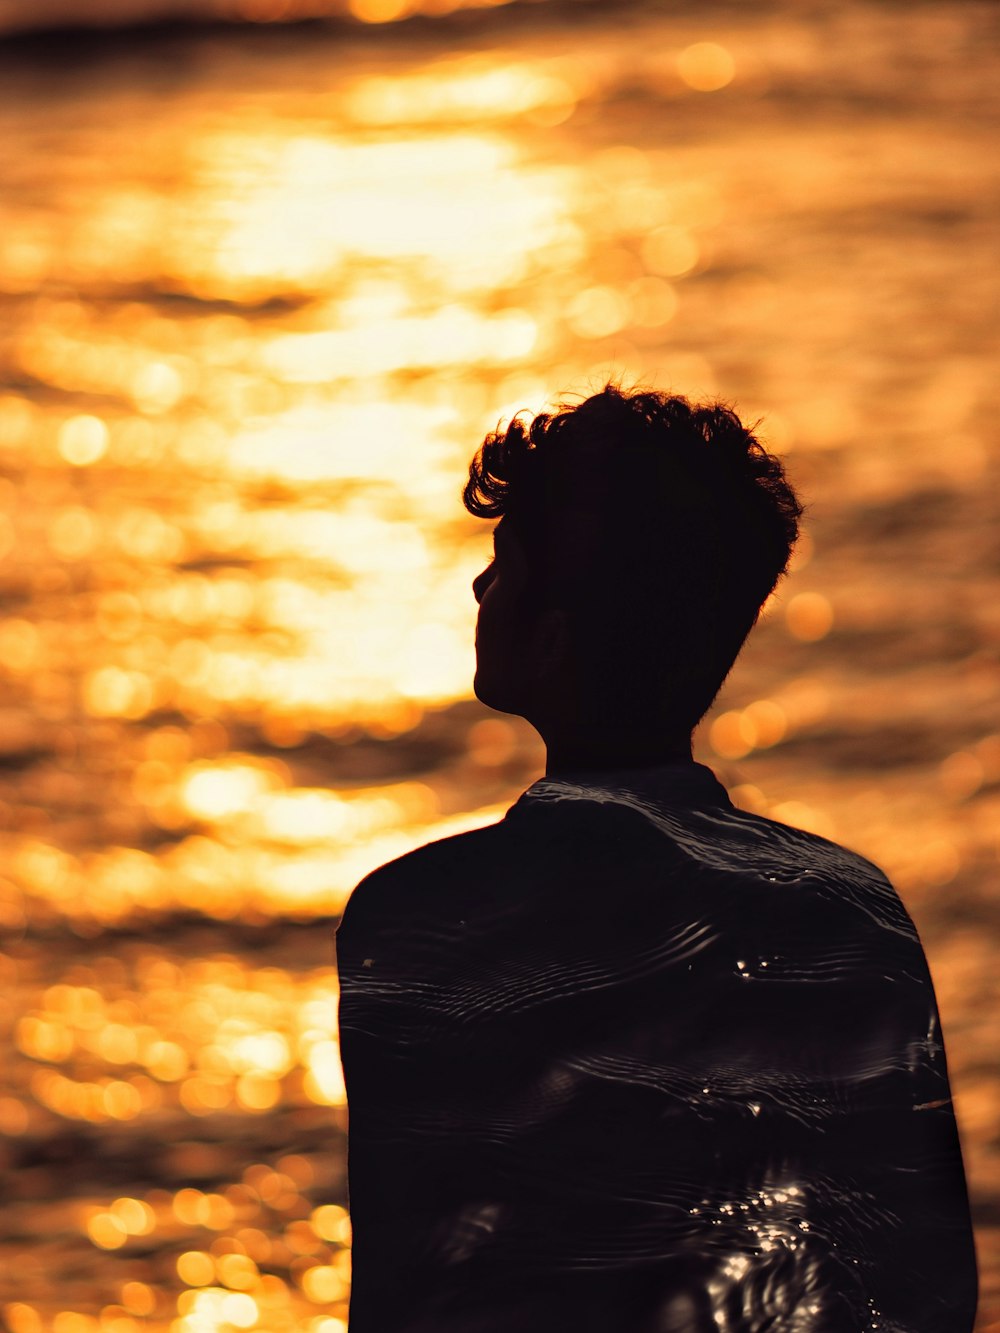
(589, 753)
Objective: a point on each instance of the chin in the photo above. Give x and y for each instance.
(493, 695)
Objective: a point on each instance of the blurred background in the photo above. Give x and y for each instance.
(269, 269)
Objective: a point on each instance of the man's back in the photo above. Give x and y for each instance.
(634, 1060)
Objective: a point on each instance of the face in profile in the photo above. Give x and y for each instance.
(501, 641)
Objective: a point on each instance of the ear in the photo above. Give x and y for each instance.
(550, 642)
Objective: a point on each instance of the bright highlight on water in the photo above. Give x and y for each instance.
(263, 293)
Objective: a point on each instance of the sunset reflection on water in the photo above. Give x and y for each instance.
(247, 355)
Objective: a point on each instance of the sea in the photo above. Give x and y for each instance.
(268, 274)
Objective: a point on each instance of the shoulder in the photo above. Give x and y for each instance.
(823, 897)
(801, 848)
(535, 843)
(424, 869)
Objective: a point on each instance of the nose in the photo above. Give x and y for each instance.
(481, 582)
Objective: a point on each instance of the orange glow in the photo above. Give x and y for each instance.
(453, 334)
(257, 1092)
(378, 11)
(195, 1268)
(729, 737)
(466, 88)
(237, 1271)
(134, 1215)
(706, 66)
(669, 251)
(122, 1101)
(597, 312)
(491, 742)
(13, 1117)
(962, 774)
(804, 816)
(69, 1321)
(138, 1298)
(83, 440)
(157, 387)
(765, 722)
(323, 1284)
(250, 352)
(215, 793)
(239, 1309)
(331, 1222)
(20, 645)
(107, 1231)
(809, 616)
(324, 1081)
(652, 301)
(464, 212)
(73, 533)
(22, 1318)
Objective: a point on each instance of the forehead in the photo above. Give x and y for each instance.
(506, 537)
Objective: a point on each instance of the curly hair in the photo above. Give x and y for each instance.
(660, 526)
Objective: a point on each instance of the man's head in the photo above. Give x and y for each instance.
(639, 537)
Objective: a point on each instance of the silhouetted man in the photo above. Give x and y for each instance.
(632, 1060)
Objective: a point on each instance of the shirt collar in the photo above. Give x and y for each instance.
(680, 783)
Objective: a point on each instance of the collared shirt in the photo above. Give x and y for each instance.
(632, 1060)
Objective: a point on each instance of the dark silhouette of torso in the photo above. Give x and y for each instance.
(634, 1061)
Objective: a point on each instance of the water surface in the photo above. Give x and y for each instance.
(263, 293)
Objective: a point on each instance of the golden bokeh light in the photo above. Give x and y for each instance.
(83, 440)
(652, 302)
(729, 737)
(107, 1231)
(239, 1309)
(492, 742)
(195, 1268)
(765, 721)
(466, 89)
(760, 725)
(157, 387)
(597, 312)
(323, 1283)
(800, 814)
(22, 1318)
(14, 1117)
(249, 354)
(962, 774)
(115, 1319)
(809, 616)
(237, 1271)
(331, 1222)
(706, 66)
(138, 1298)
(669, 251)
(747, 796)
(324, 1081)
(379, 11)
(466, 215)
(135, 1216)
(71, 1321)
(73, 533)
